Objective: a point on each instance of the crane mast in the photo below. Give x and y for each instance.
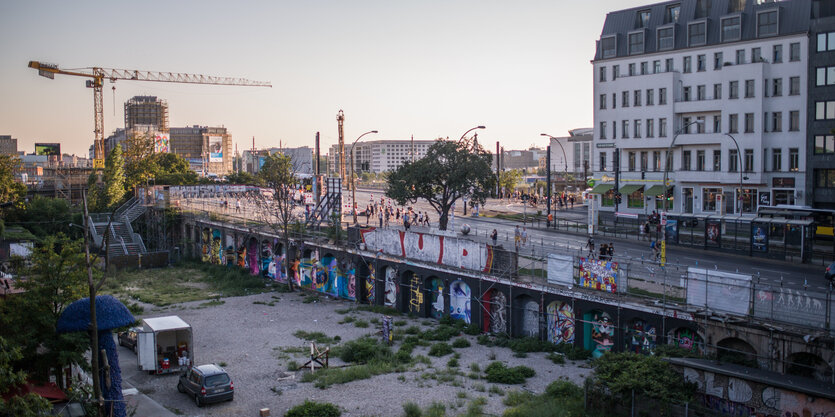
(340, 119)
(97, 76)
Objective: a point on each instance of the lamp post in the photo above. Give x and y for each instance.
(353, 185)
(739, 168)
(461, 140)
(669, 157)
(548, 170)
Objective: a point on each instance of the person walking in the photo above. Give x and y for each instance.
(524, 236)
(590, 246)
(655, 252)
(380, 215)
(517, 236)
(494, 236)
(604, 252)
(237, 205)
(610, 251)
(641, 231)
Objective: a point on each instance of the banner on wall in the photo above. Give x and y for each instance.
(215, 148)
(599, 275)
(719, 291)
(759, 237)
(560, 269)
(161, 143)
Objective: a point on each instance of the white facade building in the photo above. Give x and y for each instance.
(577, 147)
(379, 155)
(702, 73)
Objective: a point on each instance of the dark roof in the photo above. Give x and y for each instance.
(794, 18)
(210, 369)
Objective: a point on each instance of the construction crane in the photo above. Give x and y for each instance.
(98, 75)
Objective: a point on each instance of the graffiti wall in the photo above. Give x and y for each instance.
(267, 260)
(390, 289)
(460, 253)
(436, 304)
(640, 337)
(599, 275)
(560, 317)
(415, 293)
(688, 339)
(217, 250)
(599, 333)
(206, 245)
(530, 319)
(459, 301)
(495, 312)
(370, 281)
(252, 256)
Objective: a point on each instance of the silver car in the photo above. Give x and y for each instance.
(206, 384)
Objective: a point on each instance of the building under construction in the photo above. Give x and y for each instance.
(146, 111)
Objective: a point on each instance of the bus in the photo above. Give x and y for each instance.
(822, 219)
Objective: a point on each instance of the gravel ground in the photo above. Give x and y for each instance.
(248, 337)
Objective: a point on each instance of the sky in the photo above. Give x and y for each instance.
(424, 68)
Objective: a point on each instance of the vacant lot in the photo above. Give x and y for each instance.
(259, 337)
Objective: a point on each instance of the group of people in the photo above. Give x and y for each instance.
(520, 237)
(385, 214)
(606, 250)
(564, 200)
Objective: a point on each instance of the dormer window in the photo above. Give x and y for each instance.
(666, 38)
(642, 20)
(636, 43)
(696, 33)
(767, 23)
(608, 46)
(731, 28)
(672, 13)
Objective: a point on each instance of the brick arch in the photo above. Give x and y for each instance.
(494, 311)
(808, 365)
(436, 302)
(736, 350)
(526, 316)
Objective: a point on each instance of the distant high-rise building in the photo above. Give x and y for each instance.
(207, 149)
(8, 145)
(302, 158)
(146, 111)
(379, 155)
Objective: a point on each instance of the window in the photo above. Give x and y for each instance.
(749, 160)
(668, 65)
(685, 125)
(777, 89)
(749, 88)
(794, 121)
(615, 72)
(731, 29)
(656, 66)
(825, 42)
(631, 161)
(650, 131)
(656, 161)
(662, 96)
(696, 34)
(825, 178)
(644, 161)
(825, 110)
(717, 160)
(701, 62)
(662, 128)
(777, 159)
(666, 38)
(650, 97)
(602, 130)
(700, 126)
(614, 100)
(749, 122)
(636, 96)
(740, 56)
(733, 123)
(777, 54)
(637, 128)
(687, 64)
(825, 76)
(794, 86)
(756, 55)
(624, 130)
(709, 198)
(700, 92)
(733, 161)
(717, 124)
(718, 61)
(603, 161)
(624, 99)
(643, 19)
(733, 89)
(672, 13)
(602, 101)
(685, 93)
(632, 69)
(794, 51)
(602, 74)
(824, 144)
(685, 160)
(717, 91)
(777, 121)
(644, 68)
(765, 87)
(609, 46)
(767, 23)
(794, 159)
(636, 43)
(614, 130)
(700, 160)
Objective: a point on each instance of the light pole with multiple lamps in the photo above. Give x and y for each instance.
(548, 173)
(461, 140)
(353, 184)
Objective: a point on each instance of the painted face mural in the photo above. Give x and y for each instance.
(267, 259)
(530, 319)
(602, 333)
(335, 280)
(252, 258)
(390, 298)
(415, 294)
(369, 285)
(459, 301)
(560, 323)
(687, 339)
(498, 312)
(437, 305)
(217, 251)
(351, 282)
(320, 277)
(206, 248)
(640, 337)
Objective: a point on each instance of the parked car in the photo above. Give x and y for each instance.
(127, 338)
(830, 272)
(206, 384)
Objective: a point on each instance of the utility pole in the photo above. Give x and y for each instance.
(498, 172)
(548, 182)
(340, 120)
(616, 163)
(316, 172)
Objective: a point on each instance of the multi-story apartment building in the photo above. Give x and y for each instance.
(302, 158)
(820, 152)
(8, 145)
(207, 149)
(704, 76)
(379, 155)
(146, 111)
(577, 148)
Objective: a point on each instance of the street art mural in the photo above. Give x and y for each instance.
(206, 245)
(495, 312)
(252, 256)
(390, 289)
(436, 295)
(598, 275)
(415, 294)
(459, 301)
(230, 250)
(267, 259)
(530, 318)
(217, 250)
(242, 256)
(457, 252)
(599, 332)
(276, 269)
(370, 295)
(347, 281)
(687, 339)
(640, 337)
(323, 279)
(560, 322)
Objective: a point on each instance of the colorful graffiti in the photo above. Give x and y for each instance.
(436, 305)
(599, 275)
(459, 301)
(230, 255)
(321, 273)
(415, 295)
(560, 322)
(267, 259)
(640, 337)
(206, 247)
(459, 253)
(599, 332)
(370, 295)
(530, 319)
(494, 319)
(687, 339)
(242, 256)
(217, 250)
(252, 258)
(347, 281)
(390, 294)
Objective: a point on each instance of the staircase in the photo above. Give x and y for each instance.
(323, 211)
(120, 237)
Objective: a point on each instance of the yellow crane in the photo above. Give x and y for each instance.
(97, 76)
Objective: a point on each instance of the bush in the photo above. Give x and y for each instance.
(563, 389)
(557, 358)
(498, 373)
(530, 344)
(461, 343)
(411, 409)
(441, 333)
(472, 329)
(314, 409)
(362, 350)
(440, 349)
(573, 352)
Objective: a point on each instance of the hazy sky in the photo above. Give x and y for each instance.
(424, 68)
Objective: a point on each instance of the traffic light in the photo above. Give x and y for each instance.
(618, 198)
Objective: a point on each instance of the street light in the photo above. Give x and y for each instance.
(669, 157)
(739, 168)
(353, 185)
(548, 170)
(564, 157)
(465, 133)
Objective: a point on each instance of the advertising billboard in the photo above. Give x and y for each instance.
(48, 149)
(215, 148)
(161, 142)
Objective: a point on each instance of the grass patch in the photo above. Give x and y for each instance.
(441, 333)
(212, 303)
(271, 303)
(316, 337)
(343, 310)
(561, 398)
(557, 358)
(499, 373)
(347, 319)
(440, 349)
(362, 324)
(461, 343)
(310, 298)
(400, 323)
(314, 409)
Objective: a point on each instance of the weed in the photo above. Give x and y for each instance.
(557, 358)
(399, 323)
(476, 407)
(479, 387)
(347, 319)
(362, 350)
(474, 375)
(412, 330)
(176, 411)
(411, 409)
(461, 343)
(374, 320)
(276, 390)
(362, 324)
(491, 356)
(316, 337)
(436, 410)
(515, 398)
(314, 409)
(222, 364)
(498, 373)
(474, 367)
(520, 355)
(461, 394)
(452, 363)
(496, 390)
(440, 349)
(311, 298)
(292, 366)
(472, 329)
(440, 333)
(271, 303)
(343, 310)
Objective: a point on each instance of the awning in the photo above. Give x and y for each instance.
(631, 188)
(601, 188)
(656, 189)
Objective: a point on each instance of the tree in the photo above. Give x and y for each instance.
(242, 178)
(169, 169)
(276, 210)
(46, 216)
(649, 376)
(509, 179)
(139, 164)
(10, 378)
(11, 191)
(448, 172)
(114, 179)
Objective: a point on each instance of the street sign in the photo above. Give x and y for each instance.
(669, 182)
(663, 218)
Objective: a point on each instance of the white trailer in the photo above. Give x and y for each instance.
(164, 345)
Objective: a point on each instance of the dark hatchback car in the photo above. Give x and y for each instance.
(206, 384)
(127, 338)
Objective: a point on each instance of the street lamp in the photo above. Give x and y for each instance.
(669, 157)
(548, 171)
(465, 133)
(564, 157)
(739, 168)
(353, 185)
